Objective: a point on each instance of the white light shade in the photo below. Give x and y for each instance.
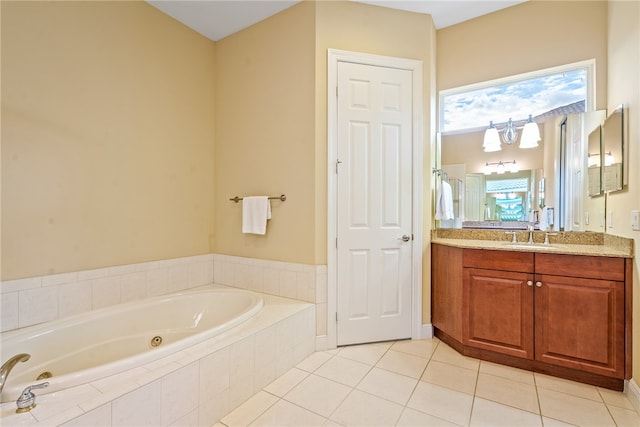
(500, 168)
(513, 168)
(609, 159)
(491, 139)
(530, 135)
(488, 170)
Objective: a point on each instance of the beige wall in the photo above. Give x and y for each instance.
(107, 136)
(265, 136)
(624, 88)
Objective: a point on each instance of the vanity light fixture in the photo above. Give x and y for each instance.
(529, 139)
(500, 167)
(594, 159)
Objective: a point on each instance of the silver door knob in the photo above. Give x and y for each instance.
(539, 284)
(405, 238)
(529, 283)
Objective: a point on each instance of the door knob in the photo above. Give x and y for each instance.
(405, 238)
(539, 284)
(529, 283)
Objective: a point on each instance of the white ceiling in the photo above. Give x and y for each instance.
(216, 19)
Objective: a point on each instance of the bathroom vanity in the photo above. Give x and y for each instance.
(562, 310)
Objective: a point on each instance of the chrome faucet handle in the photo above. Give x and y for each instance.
(27, 400)
(514, 238)
(546, 237)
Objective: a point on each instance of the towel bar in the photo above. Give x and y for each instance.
(281, 197)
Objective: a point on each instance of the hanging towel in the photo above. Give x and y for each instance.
(444, 205)
(543, 224)
(256, 210)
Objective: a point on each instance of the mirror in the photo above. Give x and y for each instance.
(464, 160)
(614, 170)
(594, 162)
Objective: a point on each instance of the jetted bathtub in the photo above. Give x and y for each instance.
(93, 345)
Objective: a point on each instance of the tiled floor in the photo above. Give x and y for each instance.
(424, 383)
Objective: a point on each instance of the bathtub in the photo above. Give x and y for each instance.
(93, 345)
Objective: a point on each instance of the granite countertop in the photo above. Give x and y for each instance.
(572, 243)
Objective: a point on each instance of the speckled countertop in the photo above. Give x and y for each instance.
(573, 243)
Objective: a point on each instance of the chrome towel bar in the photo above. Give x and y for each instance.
(282, 197)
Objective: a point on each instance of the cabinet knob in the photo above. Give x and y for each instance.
(539, 284)
(529, 283)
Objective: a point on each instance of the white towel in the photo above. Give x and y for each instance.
(256, 210)
(444, 205)
(543, 224)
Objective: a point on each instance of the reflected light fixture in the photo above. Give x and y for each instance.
(500, 167)
(529, 139)
(530, 134)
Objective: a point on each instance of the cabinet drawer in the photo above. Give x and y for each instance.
(498, 260)
(590, 267)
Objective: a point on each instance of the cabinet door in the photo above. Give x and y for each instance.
(580, 324)
(499, 311)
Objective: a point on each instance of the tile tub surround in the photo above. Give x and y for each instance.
(197, 386)
(26, 302)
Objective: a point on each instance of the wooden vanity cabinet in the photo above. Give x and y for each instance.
(580, 313)
(498, 302)
(559, 314)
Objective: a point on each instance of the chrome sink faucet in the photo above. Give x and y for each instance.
(530, 228)
(8, 366)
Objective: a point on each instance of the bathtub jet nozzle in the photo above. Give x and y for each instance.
(8, 366)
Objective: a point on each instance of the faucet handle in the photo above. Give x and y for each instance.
(514, 238)
(27, 400)
(546, 237)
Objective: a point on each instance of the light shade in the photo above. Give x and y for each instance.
(491, 139)
(530, 134)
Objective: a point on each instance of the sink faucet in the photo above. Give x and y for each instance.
(530, 228)
(8, 366)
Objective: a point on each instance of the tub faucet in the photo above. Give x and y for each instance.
(8, 366)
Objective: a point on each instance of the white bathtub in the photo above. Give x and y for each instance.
(96, 344)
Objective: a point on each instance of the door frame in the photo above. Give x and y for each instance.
(334, 56)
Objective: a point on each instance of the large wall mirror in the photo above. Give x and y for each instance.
(515, 187)
(614, 169)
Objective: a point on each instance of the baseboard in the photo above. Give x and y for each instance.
(426, 331)
(322, 343)
(632, 390)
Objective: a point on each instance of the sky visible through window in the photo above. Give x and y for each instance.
(516, 100)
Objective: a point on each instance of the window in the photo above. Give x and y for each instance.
(566, 89)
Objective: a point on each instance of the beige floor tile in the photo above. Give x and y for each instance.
(345, 371)
(286, 382)
(492, 414)
(412, 418)
(388, 385)
(569, 387)
(615, 398)
(402, 363)
(244, 414)
(550, 422)
(318, 395)
(449, 405)
(508, 392)
(624, 417)
(284, 413)
(365, 353)
(364, 409)
(451, 376)
(573, 409)
(508, 372)
(422, 348)
(314, 361)
(446, 354)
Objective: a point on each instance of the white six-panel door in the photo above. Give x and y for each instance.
(374, 203)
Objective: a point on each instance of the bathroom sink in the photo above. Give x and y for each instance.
(530, 246)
